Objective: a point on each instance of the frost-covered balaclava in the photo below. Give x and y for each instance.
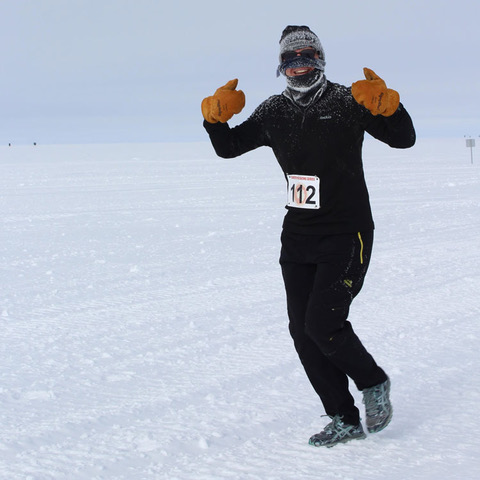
(303, 88)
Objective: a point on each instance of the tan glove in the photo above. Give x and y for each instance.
(373, 94)
(224, 103)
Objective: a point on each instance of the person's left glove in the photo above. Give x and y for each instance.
(373, 94)
(224, 103)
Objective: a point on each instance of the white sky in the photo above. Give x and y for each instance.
(136, 70)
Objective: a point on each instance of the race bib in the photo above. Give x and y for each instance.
(303, 191)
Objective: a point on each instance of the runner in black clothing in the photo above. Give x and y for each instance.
(316, 129)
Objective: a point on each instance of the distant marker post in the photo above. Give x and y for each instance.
(471, 144)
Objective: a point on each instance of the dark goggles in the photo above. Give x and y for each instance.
(306, 53)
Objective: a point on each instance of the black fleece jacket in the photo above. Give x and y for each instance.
(323, 140)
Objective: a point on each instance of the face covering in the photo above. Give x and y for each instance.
(304, 90)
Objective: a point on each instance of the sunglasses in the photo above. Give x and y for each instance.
(306, 53)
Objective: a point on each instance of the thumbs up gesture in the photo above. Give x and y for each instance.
(373, 94)
(224, 103)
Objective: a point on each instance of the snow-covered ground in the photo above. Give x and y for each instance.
(143, 321)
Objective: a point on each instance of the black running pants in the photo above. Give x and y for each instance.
(322, 275)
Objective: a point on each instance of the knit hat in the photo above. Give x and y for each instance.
(296, 37)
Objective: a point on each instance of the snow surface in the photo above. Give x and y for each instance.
(144, 330)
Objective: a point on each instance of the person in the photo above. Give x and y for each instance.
(316, 129)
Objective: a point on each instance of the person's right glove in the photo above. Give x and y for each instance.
(373, 94)
(224, 103)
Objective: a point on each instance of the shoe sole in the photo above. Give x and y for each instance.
(344, 440)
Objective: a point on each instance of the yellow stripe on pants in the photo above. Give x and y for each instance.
(361, 247)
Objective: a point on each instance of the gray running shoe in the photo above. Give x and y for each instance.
(337, 432)
(378, 408)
